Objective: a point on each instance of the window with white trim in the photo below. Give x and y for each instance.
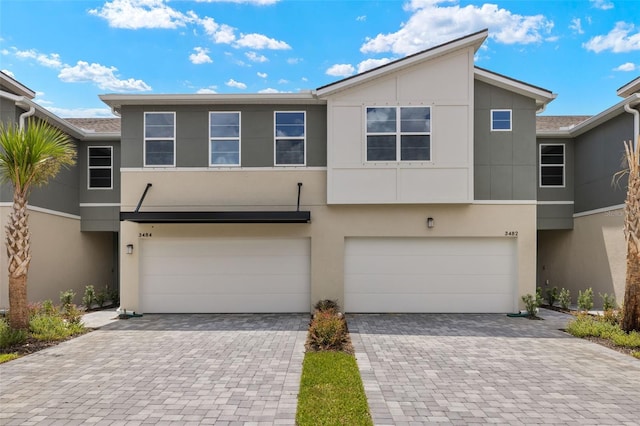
(100, 163)
(398, 133)
(552, 164)
(224, 138)
(159, 139)
(500, 120)
(290, 138)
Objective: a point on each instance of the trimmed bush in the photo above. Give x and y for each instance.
(531, 303)
(89, 296)
(327, 305)
(10, 337)
(564, 298)
(585, 300)
(608, 301)
(552, 295)
(327, 331)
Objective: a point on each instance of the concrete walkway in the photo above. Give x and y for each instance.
(162, 369)
(478, 369)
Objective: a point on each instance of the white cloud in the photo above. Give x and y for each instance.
(262, 74)
(200, 56)
(283, 81)
(602, 4)
(50, 61)
(104, 77)
(432, 24)
(81, 112)
(627, 67)
(576, 26)
(253, 56)
(260, 41)
(4, 52)
(368, 64)
(293, 61)
(9, 73)
(219, 33)
(256, 2)
(269, 90)
(135, 14)
(361, 18)
(620, 39)
(207, 90)
(236, 84)
(341, 70)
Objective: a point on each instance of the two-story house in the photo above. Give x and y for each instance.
(408, 188)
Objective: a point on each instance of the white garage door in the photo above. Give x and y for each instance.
(430, 275)
(206, 275)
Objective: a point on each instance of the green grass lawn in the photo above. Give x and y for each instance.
(331, 391)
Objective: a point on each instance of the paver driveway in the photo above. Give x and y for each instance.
(472, 369)
(160, 369)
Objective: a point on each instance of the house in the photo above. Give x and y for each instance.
(412, 187)
(74, 219)
(580, 202)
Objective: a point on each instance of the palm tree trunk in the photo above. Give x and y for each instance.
(19, 251)
(631, 317)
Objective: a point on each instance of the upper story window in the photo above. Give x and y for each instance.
(224, 138)
(500, 120)
(159, 139)
(290, 138)
(100, 161)
(398, 133)
(552, 164)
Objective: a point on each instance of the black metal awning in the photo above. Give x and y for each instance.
(218, 217)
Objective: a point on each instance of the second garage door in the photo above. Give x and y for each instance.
(207, 275)
(430, 275)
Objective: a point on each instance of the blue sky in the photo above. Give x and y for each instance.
(70, 51)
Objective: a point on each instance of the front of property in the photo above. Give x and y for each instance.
(418, 186)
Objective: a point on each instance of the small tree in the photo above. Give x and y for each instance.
(631, 306)
(29, 157)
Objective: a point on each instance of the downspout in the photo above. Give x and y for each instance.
(636, 123)
(32, 110)
(20, 101)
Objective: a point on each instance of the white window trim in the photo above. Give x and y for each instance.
(276, 138)
(564, 165)
(239, 138)
(145, 139)
(89, 167)
(399, 134)
(510, 120)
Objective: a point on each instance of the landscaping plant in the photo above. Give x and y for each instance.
(101, 298)
(531, 303)
(564, 298)
(552, 295)
(585, 300)
(608, 301)
(66, 297)
(89, 296)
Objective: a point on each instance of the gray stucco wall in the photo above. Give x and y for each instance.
(504, 162)
(192, 133)
(599, 156)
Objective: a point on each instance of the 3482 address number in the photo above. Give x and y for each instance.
(510, 233)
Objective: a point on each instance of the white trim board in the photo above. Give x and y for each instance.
(223, 169)
(597, 211)
(546, 203)
(99, 204)
(505, 202)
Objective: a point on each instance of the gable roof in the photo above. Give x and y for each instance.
(475, 40)
(15, 87)
(96, 125)
(630, 88)
(542, 96)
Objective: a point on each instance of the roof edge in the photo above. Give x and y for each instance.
(541, 95)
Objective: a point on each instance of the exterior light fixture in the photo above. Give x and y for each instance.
(129, 248)
(430, 222)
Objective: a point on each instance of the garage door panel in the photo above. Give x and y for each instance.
(430, 275)
(225, 275)
(438, 303)
(409, 284)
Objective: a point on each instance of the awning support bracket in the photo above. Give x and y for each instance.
(299, 189)
(144, 194)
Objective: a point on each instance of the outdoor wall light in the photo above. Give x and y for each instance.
(430, 222)
(129, 248)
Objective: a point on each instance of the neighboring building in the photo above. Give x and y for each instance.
(413, 187)
(74, 219)
(580, 203)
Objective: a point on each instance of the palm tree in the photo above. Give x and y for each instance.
(29, 157)
(631, 304)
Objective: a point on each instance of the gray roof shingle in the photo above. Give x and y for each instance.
(547, 123)
(97, 125)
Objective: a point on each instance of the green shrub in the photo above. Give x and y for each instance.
(636, 354)
(89, 296)
(327, 305)
(552, 295)
(631, 340)
(49, 328)
(564, 298)
(114, 295)
(7, 357)
(608, 301)
(101, 298)
(585, 325)
(585, 300)
(72, 314)
(327, 331)
(66, 297)
(531, 303)
(10, 337)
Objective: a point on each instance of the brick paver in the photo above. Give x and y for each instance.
(163, 369)
(478, 369)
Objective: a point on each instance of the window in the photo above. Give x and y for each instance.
(159, 139)
(407, 138)
(100, 160)
(500, 120)
(552, 165)
(224, 138)
(290, 138)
